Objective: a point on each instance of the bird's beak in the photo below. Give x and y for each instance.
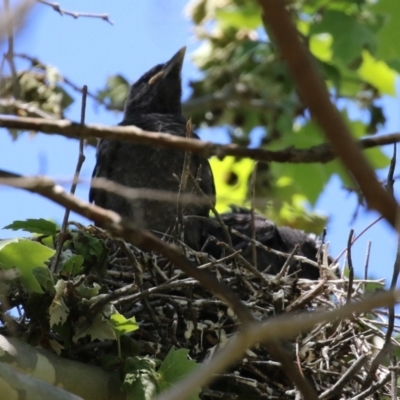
(174, 64)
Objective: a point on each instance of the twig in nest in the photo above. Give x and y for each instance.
(350, 265)
(339, 385)
(286, 266)
(357, 237)
(183, 184)
(306, 297)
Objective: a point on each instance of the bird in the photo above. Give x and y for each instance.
(154, 104)
(283, 239)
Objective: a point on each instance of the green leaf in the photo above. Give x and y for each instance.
(388, 46)
(140, 381)
(231, 179)
(7, 241)
(350, 36)
(73, 265)
(89, 247)
(26, 255)
(321, 46)
(40, 226)
(115, 92)
(246, 16)
(122, 325)
(378, 74)
(99, 329)
(45, 278)
(175, 366)
(87, 292)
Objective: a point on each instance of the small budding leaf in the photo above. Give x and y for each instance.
(122, 325)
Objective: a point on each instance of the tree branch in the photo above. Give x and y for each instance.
(315, 95)
(322, 153)
(86, 381)
(56, 7)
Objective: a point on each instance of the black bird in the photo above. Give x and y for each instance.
(267, 233)
(154, 104)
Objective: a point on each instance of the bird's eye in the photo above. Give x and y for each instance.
(156, 77)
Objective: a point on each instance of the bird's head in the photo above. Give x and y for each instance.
(158, 90)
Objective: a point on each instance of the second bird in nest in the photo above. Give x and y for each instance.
(154, 104)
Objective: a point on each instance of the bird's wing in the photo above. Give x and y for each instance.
(106, 154)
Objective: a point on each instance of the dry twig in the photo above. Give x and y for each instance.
(56, 7)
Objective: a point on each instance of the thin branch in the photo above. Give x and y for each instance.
(183, 182)
(10, 50)
(148, 194)
(17, 105)
(315, 95)
(56, 7)
(253, 227)
(358, 236)
(322, 153)
(81, 160)
(14, 18)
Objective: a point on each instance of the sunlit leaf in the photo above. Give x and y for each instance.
(231, 179)
(123, 325)
(25, 256)
(350, 36)
(378, 74)
(388, 46)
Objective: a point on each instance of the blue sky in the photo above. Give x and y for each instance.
(144, 33)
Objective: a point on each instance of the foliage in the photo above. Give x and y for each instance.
(143, 382)
(174, 367)
(243, 67)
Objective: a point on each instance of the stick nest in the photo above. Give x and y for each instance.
(175, 310)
